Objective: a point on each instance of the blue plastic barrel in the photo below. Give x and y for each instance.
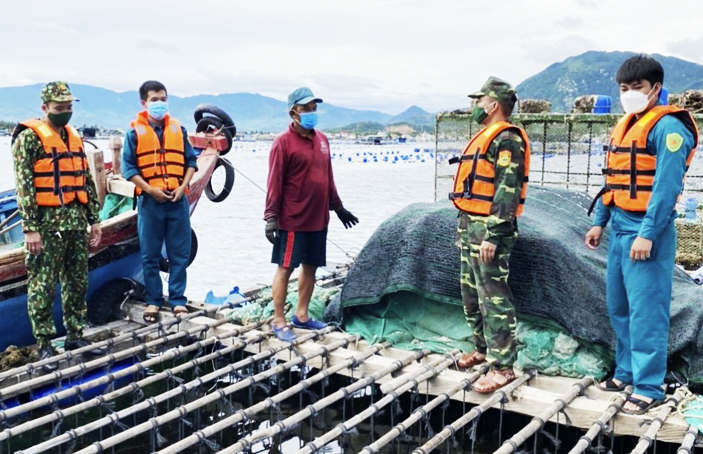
(690, 208)
(602, 104)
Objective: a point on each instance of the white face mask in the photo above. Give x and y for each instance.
(634, 102)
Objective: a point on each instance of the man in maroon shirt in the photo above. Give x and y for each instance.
(300, 195)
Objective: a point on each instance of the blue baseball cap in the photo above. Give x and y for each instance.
(302, 95)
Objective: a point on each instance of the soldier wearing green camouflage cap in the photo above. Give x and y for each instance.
(498, 90)
(56, 212)
(57, 91)
(489, 191)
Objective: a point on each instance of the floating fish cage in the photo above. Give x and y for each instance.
(567, 151)
(201, 384)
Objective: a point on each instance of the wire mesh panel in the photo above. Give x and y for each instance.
(567, 151)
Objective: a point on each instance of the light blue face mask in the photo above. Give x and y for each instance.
(158, 109)
(308, 120)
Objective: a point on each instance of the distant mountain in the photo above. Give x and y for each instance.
(593, 73)
(413, 116)
(113, 110)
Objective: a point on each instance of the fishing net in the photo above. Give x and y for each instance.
(558, 284)
(115, 204)
(262, 307)
(693, 413)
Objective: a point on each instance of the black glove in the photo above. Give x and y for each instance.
(348, 219)
(271, 229)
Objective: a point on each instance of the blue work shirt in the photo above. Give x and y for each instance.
(129, 152)
(668, 183)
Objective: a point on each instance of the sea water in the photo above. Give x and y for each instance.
(373, 181)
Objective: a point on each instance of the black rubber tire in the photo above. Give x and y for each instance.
(209, 124)
(229, 182)
(230, 138)
(163, 263)
(108, 298)
(215, 111)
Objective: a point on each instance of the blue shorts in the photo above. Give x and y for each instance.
(293, 248)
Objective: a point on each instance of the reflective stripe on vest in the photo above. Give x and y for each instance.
(629, 167)
(474, 187)
(160, 165)
(60, 175)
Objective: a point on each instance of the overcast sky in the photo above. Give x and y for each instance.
(367, 54)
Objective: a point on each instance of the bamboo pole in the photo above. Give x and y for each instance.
(688, 441)
(472, 414)
(129, 389)
(153, 401)
(421, 412)
(247, 413)
(99, 447)
(83, 367)
(650, 435)
(134, 335)
(400, 385)
(538, 422)
(311, 410)
(586, 440)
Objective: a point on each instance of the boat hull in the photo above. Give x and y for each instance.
(116, 257)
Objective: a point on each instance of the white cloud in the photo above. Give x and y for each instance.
(368, 54)
(53, 27)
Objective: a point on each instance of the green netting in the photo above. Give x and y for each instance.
(115, 204)
(262, 307)
(413, 322)
(557, 284)
(693, 413)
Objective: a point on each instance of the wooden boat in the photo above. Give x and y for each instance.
(117, 256)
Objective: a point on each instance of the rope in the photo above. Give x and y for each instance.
(348, 254)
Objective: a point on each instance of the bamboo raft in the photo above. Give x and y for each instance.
(179, 347)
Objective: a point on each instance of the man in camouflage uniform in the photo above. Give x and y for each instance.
(56, 238)
(489, 194)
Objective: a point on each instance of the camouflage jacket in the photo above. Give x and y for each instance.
(508, 186)
(74, 216)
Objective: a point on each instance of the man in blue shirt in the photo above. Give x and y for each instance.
(649, 151)
(158, 158)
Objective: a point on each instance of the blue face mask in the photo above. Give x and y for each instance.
(308, 120)
(157, 109)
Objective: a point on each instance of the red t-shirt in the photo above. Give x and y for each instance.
(301, 189)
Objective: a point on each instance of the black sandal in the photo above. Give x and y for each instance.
(643, 406)
(611, 386)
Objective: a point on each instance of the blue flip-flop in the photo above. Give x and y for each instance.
(284, 334)
(311, 323)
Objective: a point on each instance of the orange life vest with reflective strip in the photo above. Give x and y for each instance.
(162, 166)
(474, 187)
(60, 175)
(629, 166)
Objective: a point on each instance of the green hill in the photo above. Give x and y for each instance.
(593, 73)
(110, 109)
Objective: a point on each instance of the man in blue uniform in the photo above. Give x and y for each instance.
(640, 205)
(158, 158)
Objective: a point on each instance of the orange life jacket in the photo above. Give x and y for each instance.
(473, 185)
(162, 166)
(60, 175)
(629, 167)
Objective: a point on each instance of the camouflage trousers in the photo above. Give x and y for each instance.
(64, 256)
(488, 301)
